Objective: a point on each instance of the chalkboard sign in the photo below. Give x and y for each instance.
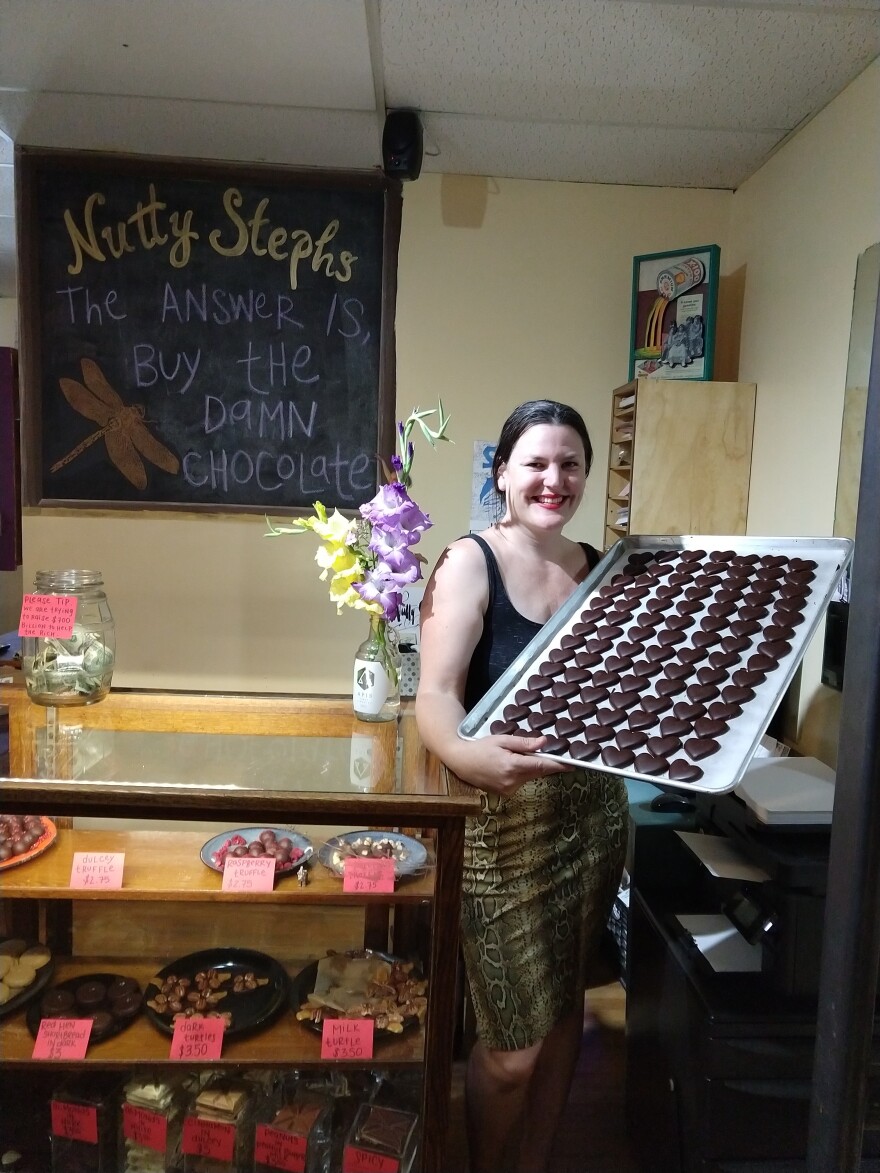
(200, 336)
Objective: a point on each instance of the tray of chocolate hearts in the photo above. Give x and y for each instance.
(669, 660)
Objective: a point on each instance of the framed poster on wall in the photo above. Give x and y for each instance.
(674, 301)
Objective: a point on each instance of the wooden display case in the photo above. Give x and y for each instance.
(153, 775)
(679, 458)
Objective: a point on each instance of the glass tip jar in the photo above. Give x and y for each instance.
(76, 670)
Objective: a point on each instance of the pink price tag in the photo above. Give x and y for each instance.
(97, 870)
(62, 1038)
(197, 1039)
(279, 1149)
(367, 875)
(143, 1127)
(48, 616)
(248, 873)
(347, 1038)
(208, 1138)
(355, 1160)
(74, 1121)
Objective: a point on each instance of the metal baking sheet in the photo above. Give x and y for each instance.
(723, 769)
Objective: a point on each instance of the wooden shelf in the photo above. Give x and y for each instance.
(165, 865)
(284, 1043)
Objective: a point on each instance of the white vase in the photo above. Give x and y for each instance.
(376, 681)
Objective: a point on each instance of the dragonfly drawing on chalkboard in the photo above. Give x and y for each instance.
(122, 427)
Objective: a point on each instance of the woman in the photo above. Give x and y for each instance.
(544, 857)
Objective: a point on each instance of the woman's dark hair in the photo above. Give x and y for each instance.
(527, 415)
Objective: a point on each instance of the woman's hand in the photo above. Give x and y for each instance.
(501, 764)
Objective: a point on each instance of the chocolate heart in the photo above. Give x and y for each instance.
(580, 710)
(662, 747)
(552, 704)
(710, 675)
(760, 663)
(655, 704)
(746, 560)
(677, 671)
(688, 710)
(667, 637)
(575, 675)
(776, 648)
(721, 610)
(700, 747)
(625, 700)
(688, 606)
(735, 694)
(551, 668)
(669, 687)
(658, 604)
(626, 648)
(640, 635)
(707, 580)
(738, 582)
(588, 659)
(540, 720)
(709, 727)
(554, 744)
(636, 592)
(598, 732)
(793, 618)
(773, 560)
(608, 632)
(659, 569)
(790, 605)
(692, 655)
(790, 590)
(695, 592)
(723, 659)
(680, 577)
(802, 564)
(657, 652)
(564, 689)
(584, 751)
(505, 727)
(647, 763)
(581, 628)
(713, 623)
(527, 696)
(758, 598)
(617, 758)
(647, 668)
(750, 614)
(641, 719)
(631, 738)
(747, 677)
(618, 663)
(537, 681)
(560, 655)
(744, 627)
(570, 641)
(736, 643)
(667, 590)
(622, 615)
(680, 622)
(769, 574)
(720, 711)
(775, 631)
(610, 717)
(726, 595)
(646, 619)
(604, 679)
(700, 693)
(706, 639)
(722, 555)
(799, 577)
(692, 555)
(674, 727)
(682, 771)
(633, 681)
(515, 712)
(566, 727)
(598, 645)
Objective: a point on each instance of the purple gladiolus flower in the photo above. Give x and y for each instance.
(396, 463)
(392, 507)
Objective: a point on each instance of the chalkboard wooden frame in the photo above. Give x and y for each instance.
(360, 389)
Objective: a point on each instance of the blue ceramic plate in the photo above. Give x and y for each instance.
(212, 854)
(409, 855)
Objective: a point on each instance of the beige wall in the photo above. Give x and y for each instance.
(510, 290)
(796, 231)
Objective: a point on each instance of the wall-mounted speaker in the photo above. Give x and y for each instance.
(402, 144)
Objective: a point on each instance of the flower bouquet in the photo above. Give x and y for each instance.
(369, 560)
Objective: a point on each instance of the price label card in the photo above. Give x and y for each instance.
(248, 873)
(62, 1038)
(97, 870)
(208, 1138)
(279, 1149)
(197, 1039)
(367, 875)
(143, 1127)
(347, 1038)
(74, 1121)
(48, 616)
(355, 1160)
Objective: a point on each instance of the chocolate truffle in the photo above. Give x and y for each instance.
(90, 994)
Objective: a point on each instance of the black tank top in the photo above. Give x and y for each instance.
(505, 631)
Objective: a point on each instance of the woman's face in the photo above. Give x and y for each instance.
(544, 479)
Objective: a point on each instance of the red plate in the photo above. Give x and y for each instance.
(45, 840)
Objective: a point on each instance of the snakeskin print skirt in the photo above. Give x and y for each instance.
(541, 870)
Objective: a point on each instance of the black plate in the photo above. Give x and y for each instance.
(304, 982)
(35, 1015)
(44, 976)
(250, 1010)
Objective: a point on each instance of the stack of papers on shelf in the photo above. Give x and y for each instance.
(721, 943)
(627, 400)
(623, 516)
